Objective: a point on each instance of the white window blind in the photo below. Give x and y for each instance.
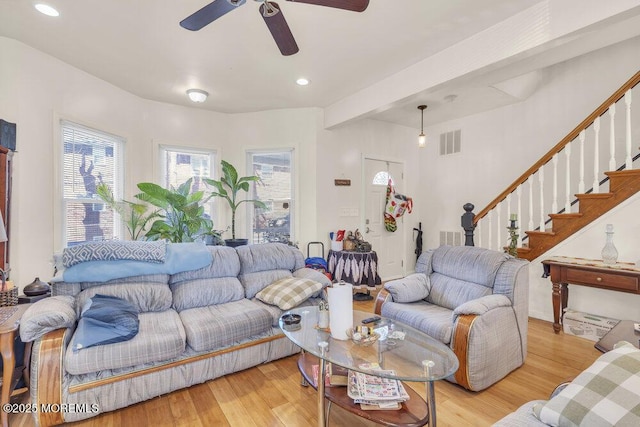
(275, 189)
(89, 157)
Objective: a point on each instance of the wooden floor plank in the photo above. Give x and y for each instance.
(271, 394)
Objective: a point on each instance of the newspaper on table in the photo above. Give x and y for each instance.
(374, 392)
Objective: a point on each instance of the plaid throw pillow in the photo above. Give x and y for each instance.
(288, 292)
(606, 394)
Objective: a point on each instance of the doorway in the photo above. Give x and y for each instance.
(389, 246)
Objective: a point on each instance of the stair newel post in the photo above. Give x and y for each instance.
(627, 102)
(596, 156)
(519, 212)
(541, 181)
(612, 138)
(567, 166)
(581, 182)
(467, 223)
(554, 204)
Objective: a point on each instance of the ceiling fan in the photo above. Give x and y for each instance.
(272, 15)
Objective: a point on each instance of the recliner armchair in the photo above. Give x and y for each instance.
(474, 300)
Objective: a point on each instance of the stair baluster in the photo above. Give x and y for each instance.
(627, 102)
(592, 203)
(567, 179)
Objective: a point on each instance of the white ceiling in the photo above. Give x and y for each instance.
(138, 46)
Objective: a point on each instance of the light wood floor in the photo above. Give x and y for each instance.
(271, 395)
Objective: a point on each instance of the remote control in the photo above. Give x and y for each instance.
(371, 320)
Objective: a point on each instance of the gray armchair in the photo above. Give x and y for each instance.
(474, 300)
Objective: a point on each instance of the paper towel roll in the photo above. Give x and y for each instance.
(340, 297)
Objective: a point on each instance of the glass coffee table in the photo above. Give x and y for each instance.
(411, 355)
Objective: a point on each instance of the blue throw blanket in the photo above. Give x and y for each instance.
(179, 257)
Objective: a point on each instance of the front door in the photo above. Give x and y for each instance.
(388, 245)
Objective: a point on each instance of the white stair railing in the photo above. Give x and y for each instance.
(490, 223)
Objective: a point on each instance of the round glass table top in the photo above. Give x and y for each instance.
(403, 352)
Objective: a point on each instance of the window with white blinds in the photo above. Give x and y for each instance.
(89, 157)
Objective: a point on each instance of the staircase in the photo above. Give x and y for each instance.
(594, 145)
(623, 184)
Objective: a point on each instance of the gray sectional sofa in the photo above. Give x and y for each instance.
(194, 325)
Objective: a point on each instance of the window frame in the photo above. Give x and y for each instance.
(179, 149)
(292, 201)
(119, 149)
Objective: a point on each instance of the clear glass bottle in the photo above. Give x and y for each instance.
(609, 252)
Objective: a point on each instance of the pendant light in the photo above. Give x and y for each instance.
(422, 138)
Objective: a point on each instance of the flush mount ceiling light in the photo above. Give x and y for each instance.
(302, 81)
(46, 9)
(422, 138)
(197, 95)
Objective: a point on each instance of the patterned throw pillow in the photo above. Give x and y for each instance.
(288, 292)
(605, 394)
(112, 250)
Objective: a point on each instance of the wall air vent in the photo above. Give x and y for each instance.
(450, 142)
(451, 238)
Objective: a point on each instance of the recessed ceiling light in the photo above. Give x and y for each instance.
(46, 9)
(302, 81)
(197, 95)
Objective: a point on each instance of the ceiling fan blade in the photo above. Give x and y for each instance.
(279, 28)
(353, 5)
(209, 13)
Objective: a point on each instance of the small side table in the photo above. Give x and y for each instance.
(11, 374)
(357, 268)
(26, 299)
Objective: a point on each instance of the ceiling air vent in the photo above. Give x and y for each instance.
(450, 142)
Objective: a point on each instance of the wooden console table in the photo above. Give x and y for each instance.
(621, 277)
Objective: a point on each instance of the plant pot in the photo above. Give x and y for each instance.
(236, 242)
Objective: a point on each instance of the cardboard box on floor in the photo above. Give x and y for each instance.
(585, 325)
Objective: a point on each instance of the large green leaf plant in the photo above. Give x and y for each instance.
(181, 212)
(229, 187)
(135, 216)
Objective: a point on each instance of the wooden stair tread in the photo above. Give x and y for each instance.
(594, 196)
(624, 173)
(565, 215)
(592, 206)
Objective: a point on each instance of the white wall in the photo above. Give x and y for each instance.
(340, 156)
(499, 145)
(36, 90)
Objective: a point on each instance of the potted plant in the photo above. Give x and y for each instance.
(181, 212)
(228, 187)
(135, 215)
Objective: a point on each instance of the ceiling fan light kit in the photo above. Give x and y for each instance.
(272, 15)
(197, 95)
